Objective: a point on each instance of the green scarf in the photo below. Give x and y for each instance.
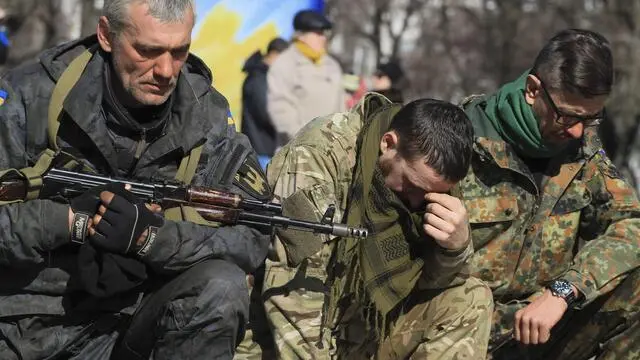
(513, 118)
(380, 271)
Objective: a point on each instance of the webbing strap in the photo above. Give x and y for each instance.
(31, 175)
(186, 172)
(188, 213)
(188, 165)
(65, 83)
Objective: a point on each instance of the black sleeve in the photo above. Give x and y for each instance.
(256, 101)
(26, 229)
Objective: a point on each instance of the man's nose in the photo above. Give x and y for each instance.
(576, 130)
(164, 66)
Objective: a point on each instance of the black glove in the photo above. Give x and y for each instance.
(122, 224)
(84, 207)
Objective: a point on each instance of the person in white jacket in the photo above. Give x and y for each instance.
(304, 82)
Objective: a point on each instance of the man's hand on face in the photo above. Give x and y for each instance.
(533, 324)
(446, 221)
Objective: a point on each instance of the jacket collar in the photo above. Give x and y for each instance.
(563, 168)
(504, 156)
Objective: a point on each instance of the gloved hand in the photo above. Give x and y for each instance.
(83, 208)
(120, 222)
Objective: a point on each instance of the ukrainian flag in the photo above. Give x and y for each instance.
(229, 31)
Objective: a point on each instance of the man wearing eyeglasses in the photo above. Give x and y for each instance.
(555, 227)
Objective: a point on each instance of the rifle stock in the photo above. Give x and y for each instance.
(12, 190)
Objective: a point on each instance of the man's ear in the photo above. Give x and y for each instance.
(105, 37)
(389, 141)
(532, 88)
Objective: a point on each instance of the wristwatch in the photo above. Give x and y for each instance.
(563, 289)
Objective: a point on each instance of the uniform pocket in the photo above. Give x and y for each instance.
(575, 198)
(491, 209)
(490, 216)
(560, 232)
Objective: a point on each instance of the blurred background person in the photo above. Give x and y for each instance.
(256, 122)
(305, 82)
(354, 88)
(34, 25)
(388, 80)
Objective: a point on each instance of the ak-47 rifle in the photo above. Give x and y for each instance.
(211, 204)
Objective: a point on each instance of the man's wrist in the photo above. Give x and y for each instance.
(565, 290)
(79, 228)
(452, 252)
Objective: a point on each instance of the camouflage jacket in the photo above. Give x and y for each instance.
(316, 168)
(582, 225)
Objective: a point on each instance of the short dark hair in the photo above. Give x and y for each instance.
(577, 61)
(438, 131)
(278, 45)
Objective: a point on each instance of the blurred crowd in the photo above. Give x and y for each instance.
(297, 81)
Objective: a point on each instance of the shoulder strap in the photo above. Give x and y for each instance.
(64, 85)
(186, 172)
(188, 165)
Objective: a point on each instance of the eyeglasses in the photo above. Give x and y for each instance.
(569, 120)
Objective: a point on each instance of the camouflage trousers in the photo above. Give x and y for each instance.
(450, 324)
(608, 328)
(446, 324)
(285, 319)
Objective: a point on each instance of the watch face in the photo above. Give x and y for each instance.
(561, 288)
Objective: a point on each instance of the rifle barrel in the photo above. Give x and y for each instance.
(317, 227)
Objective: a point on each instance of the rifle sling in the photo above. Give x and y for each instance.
(186, 172)
(65, 83)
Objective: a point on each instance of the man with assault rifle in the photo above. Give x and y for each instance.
(100, 273)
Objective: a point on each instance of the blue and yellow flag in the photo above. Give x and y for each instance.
(229, 31)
